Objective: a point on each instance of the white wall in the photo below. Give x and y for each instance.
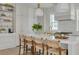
(46, 19)
(25, 17)
(19, 18)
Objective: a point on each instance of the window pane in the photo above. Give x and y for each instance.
(53, 23)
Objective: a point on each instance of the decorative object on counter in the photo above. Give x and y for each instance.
(48, 33)
(10, 30)
(62, 35)
(57, 35)
(66, 32)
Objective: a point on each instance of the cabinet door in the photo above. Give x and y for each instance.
(62, 11)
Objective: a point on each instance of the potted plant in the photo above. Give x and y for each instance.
(36, 27)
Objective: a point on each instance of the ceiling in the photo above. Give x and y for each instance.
(42, 5)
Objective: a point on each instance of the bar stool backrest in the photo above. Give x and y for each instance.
(53, 43)
(38, 40)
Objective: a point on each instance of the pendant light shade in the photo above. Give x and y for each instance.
(39, 11)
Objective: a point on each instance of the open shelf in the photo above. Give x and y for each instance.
(7, 18)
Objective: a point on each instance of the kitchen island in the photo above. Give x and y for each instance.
(73, 46)
(8, 40)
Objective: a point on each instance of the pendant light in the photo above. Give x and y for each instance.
(39, 11)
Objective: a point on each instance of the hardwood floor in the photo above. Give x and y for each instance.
(10, 51)
(13, 51)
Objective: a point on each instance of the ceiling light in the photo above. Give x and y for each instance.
(39, 11)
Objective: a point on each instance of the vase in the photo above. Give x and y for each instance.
(37, 32)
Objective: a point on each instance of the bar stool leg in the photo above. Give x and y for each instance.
(43, 49)
(24, 48)
(66, 51)
(47, 50)
(19, 46)
(59, 51)
(35, 50)
(19, 50)
(32, 50)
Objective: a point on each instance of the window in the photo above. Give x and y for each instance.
(53, 23)
(77, 23)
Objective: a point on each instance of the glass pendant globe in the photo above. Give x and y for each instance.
(39, 12)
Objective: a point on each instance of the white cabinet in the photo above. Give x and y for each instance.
(64, 11)
(73, 46)
(8, 40)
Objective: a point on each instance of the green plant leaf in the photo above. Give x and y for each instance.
(36, 27)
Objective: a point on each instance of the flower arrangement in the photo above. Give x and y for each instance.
(37, 27)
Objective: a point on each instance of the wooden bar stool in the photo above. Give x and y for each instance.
(39, 46)
(54, 46)
(21, 44)
(29, 43)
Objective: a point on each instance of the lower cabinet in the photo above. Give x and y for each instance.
(8, 40)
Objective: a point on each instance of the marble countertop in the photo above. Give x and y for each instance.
(49, 37)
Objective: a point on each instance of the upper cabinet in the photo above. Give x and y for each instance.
(64, 11)
(7, 18)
